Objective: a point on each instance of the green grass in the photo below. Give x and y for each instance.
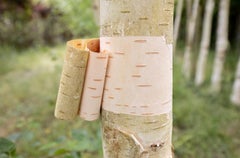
(206, 125)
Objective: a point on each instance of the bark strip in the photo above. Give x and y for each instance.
(94, 82)
(72, 78)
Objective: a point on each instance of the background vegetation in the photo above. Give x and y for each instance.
(206, 125)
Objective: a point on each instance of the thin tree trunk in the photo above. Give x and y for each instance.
(221, 44)
(197, 36)
(189, 10)
(177, 22)
(136, 110)
(237, 40)
(206, 39)
(187, 63)
(235, 97)
(96, 10)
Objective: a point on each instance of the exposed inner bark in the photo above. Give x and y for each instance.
(94, 45)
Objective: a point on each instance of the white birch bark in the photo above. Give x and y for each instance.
(221, 44)
(235, 97)
(132, 135)
(187, 63)
(177, 22)
(205, 42)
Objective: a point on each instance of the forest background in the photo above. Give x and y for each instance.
(32, 43)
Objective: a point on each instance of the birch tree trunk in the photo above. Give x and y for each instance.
(237, 40)
(96, 10)
(177, 22)
(221, 44)
(187, 63)
(188, 10)
(197, 35)
(235, 97)
(205, 42)
(136, 110)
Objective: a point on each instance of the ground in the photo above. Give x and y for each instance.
(206, 125)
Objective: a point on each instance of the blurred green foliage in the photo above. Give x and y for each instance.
(77, 16)
(30, 23)
(7, 148)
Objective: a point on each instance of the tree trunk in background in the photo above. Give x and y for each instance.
(237, 40)
(235, 97)
(96, 10)
(136, 135)
(187, 63)
(206, 39)
(221, 44)
(198, 30)
(177, 22)
(188, 10)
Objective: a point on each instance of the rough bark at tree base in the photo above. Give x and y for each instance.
(131, 136)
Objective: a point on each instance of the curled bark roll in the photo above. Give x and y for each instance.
(94, 82)
(72, 79)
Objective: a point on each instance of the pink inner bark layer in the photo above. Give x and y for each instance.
(139, 75)
(93, 86)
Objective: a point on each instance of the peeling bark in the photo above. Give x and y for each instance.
(221, 44)
(135, 135)
(72, 78)
(205, 42)
(94, 82)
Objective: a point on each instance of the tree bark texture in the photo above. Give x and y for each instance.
(187, 63)
(205, 42)
(221, 44)
(72, 80)
(235, 97)
(177, 22)
(129, 134)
